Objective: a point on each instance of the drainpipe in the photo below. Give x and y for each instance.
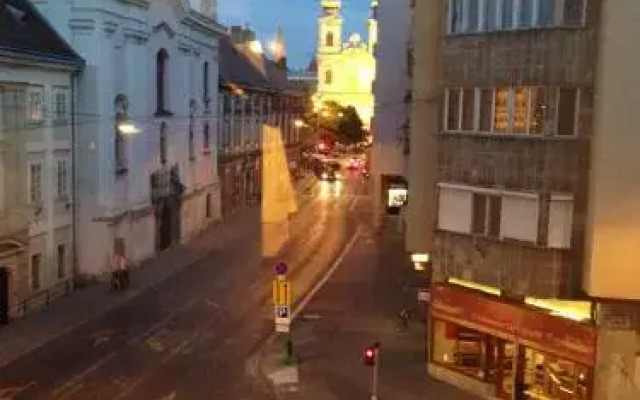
(74, 178)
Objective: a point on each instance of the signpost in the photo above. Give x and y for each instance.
(282, 300)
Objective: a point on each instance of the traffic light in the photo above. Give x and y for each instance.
(369, 355)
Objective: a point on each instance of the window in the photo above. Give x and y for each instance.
(507, 14)
(328, 77)
(560, 222)
(546, 13)
(161, 80)
(61, 261)
(486, 110)
(456, 16)
(525, 14)
(490, 15)
(36, 107)
(35, 183)
(553, 377)
(206, 138)
(519, 218)
(205, 82)
(163, 143)
(454, 209)
(520, 109)
(501, 111)
(573, 12)
(539, 110)
(36, 260)
(60, 104)
(468, 108)
(567, 112)
(121, 107)
(486, 215)
(453, 109)
(473, 16)
(62, 172)
(329, 39)
(192, 150)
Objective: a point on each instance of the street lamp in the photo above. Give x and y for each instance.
(299, 123)
(128, 128)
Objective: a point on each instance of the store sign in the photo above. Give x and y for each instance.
(397, 197)
(531, 327)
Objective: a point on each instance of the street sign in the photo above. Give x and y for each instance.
(282, 312)
(281, 268)
(282, 292)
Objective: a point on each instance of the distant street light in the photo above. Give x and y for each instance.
(299, 123)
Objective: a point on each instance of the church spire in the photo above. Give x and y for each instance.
(279, 48)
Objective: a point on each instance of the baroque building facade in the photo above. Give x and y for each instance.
(147, 169)
(346, 69)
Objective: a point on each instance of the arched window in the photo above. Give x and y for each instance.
(161, 80)
(328, 77)
(163, 143)
(329, 39)
(121, 106)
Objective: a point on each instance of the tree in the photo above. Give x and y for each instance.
(343, 122)
(350, 126)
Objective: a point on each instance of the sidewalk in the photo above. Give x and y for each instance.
(38, 328)
(357, 307)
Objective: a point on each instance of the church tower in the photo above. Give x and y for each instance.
(373, 27)
(330, 27)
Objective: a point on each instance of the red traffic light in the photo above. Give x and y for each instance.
(369, 357)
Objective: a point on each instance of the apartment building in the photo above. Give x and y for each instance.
(523, 191)
(37, 235)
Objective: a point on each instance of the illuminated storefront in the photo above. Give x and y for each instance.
(493, 347)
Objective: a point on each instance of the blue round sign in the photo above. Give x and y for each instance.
(281, 268)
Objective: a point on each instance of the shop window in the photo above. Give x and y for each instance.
(550, 377)
(470, 352)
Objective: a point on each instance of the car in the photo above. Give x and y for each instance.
(330, 172)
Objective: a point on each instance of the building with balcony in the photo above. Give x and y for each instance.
(523, 193)
(37, 235)
(147, 168)
(254, 93)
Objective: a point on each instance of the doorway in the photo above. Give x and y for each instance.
(164, 228)
(4, 296)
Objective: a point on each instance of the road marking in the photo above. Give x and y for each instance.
(311, 293)
(354, 202)
(171, 396)
(73, 384)
(102, 337)
(10, 393)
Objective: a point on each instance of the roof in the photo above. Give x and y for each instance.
(239, 67)
(25, 33)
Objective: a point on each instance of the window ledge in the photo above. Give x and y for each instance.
(121, 170)
(163, 113)
(525, 136)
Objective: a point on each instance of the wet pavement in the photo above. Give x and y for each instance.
(196, 333)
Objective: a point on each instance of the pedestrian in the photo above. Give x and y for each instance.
(120, 272)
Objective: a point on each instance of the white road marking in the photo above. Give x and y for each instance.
(311, 293)
(10, 393)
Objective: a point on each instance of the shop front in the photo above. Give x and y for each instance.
(493, 348)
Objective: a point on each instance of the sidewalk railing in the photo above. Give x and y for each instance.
(43, 298)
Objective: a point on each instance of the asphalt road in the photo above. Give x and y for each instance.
(195, 336)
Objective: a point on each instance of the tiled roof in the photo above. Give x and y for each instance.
(25, 33)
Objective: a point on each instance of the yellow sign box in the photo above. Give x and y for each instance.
(282, 292)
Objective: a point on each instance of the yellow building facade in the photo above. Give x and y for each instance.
(346, 70)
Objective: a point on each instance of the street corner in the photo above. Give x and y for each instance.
(282, 377)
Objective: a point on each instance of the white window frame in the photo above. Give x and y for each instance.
(62, 164)
(60, 114)
(35, 114)
(31, 182)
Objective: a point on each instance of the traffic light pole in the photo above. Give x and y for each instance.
(376, 366)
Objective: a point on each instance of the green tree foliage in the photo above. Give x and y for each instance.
(343, 122)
